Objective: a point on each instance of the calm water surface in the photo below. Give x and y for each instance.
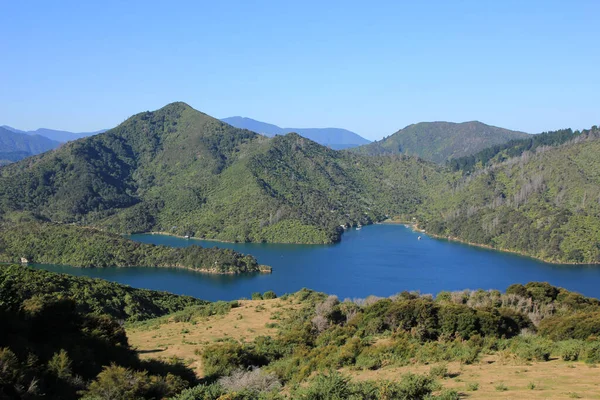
(378, 259)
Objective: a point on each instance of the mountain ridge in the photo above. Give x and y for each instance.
(55, 134)
(15, 146)
(336, 138)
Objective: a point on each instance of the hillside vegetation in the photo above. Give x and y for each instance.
(314, 346)
(20, 284)
(49, 243)
(62, 339)
(514, 148)
(179, 171)
(441, 141)
(544, 203)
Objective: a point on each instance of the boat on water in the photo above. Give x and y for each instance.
(419, 238)
(359, 226)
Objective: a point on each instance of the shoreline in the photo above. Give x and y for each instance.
(416, 227)
(262, 269)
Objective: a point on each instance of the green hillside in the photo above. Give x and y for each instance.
(441, 141)
(544, 203)
(177, 170)
(48, 243)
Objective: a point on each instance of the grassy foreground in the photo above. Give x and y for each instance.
(314, 346)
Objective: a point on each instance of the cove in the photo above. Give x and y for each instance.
(377, 260)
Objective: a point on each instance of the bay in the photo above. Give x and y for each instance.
(376, 260)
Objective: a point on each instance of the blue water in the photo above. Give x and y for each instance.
(378, 259)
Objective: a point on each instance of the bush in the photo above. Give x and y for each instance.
(570, 350)
(257, 296)
(251, 380)
(201, 392)
(448, 394)
(269, 295)
(439, 371)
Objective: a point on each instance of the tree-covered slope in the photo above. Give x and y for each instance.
(544, 203)
(60, 332)
(180, 171)
(441, 141)
(48, 243)
(19, 284)
(513, 148)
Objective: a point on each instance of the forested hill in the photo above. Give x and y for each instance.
(441, 141)
(48, 243)
(180, 171)
(544, 203)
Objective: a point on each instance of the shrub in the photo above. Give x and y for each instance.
(448, 394)
(439, 371)
(257, 296)
(269, 295)
(473, 387)
(223, 358)
(201, 392)
(252, 380)
(570, 350)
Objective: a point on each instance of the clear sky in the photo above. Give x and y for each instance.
(371, 67)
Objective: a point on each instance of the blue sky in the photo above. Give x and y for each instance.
(371, 67)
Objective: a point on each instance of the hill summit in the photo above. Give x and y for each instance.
(441, 141)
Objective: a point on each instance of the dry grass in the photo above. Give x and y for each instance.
(185, 340)
(551, 380)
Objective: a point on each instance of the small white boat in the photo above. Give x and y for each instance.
(186, 237)
(419, 238)
(358, 227)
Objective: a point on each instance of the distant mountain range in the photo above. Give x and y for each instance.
(335, 138)
(15, 146)
(441, 141)
(59, 136)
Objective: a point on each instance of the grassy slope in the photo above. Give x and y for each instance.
(440, 141)
(545, 204)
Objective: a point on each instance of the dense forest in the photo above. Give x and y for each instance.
(51, 243)
(544, 203)
(441, 141)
